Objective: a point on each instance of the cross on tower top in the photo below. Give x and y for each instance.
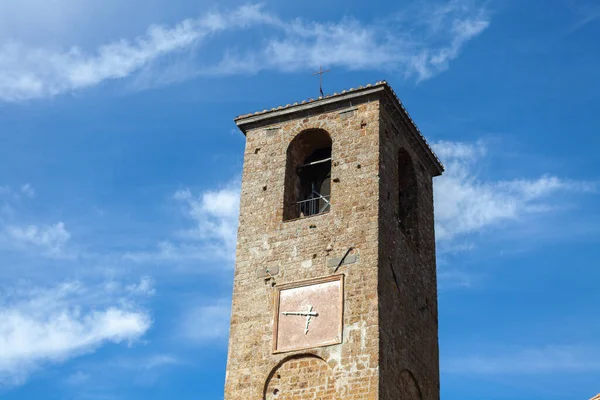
(320, 72)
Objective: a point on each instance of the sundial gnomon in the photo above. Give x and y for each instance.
(308, 314)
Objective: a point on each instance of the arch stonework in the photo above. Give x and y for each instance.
(301, 377)
(305, 143)
(408, 213)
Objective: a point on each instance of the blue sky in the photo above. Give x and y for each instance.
(120, 175)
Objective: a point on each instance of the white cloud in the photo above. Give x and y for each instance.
(157, 361)
(8, 193)
(51, 239)
(42, 326)
(136, 363)
(108, 376)
(453, 279)
(28, 190)
(542, 360)
(204, 323)
(145, 287)
(421, 46)
(461, 31)
(39, 72)
(586, 13)
(466, 203)
(78, 378)
(418, 49)
(168, 251)
(214, 214)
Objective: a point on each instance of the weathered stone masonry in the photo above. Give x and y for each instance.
(389, 348)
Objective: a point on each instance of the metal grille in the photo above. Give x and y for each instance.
(316, 205)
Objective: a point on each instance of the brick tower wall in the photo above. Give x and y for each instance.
(302, 248)
(390, 344)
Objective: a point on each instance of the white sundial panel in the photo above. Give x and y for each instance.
(308, 314)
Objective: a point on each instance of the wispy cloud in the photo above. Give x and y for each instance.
(420, 49)
(50, 239)
(454, 279)
(39, 72)
(467, 203)
(144, 288)
(540, 360)
(51, 325)
(215, 214)
(586, 14)
(7, 197)
(78, 378)
(417, 48)
(28, 190)
(43, 239)
(137, 363)
(213, 235)
(9, 193)
(204, 323)
(99, 378)
(158, 360)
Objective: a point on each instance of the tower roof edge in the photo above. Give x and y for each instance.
(246, 120)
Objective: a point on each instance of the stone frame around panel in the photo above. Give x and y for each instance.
(298, 284)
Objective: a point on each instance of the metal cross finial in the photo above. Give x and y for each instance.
(308, 314)
(320, 72)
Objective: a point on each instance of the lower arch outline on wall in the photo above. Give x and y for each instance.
(297, 373)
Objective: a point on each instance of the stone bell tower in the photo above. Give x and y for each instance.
(334, 292)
